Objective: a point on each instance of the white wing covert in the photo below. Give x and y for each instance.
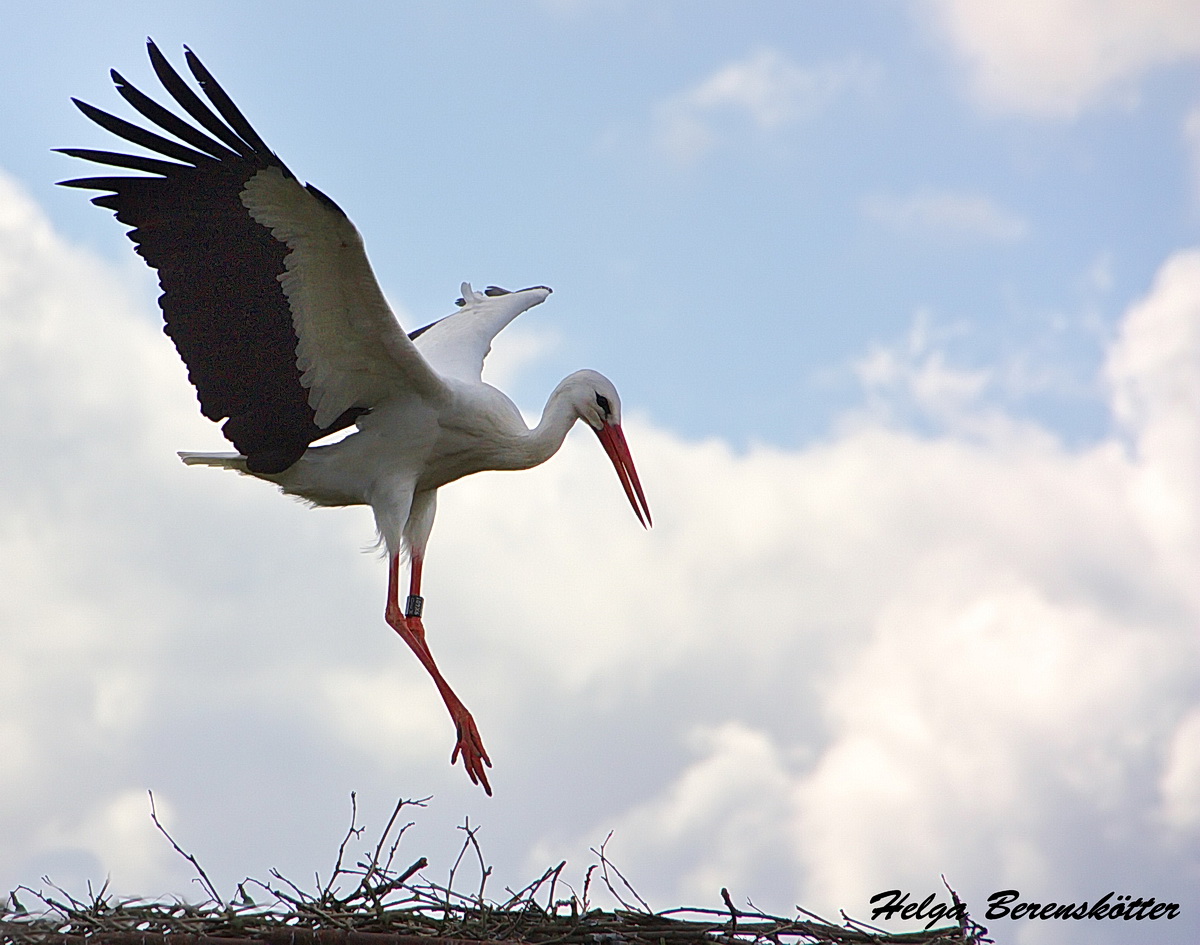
(456, 346)
(351, 352)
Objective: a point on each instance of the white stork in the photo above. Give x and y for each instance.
(272, 304)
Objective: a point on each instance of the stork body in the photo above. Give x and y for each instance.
(271, 302)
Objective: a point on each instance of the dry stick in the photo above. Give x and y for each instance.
(800, 910)
(573, 902)
(527, 895)
(860, 926)
(400, 834)
(484, 870)
(750, 903)
(467, 844)
(76, 905)
(301, 895)
(733, 913)
(353, 831)
(371, 867)
(245, 896)
(207, 883)
(400, 804)
(551, 905)
(605, 863)
(587, 882)
(408, 873)
(393, 884)
(966, 925)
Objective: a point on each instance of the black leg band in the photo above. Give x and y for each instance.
(416, 603)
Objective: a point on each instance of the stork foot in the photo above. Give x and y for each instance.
(470, 746)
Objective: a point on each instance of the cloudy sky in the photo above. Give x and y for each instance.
(903, 300)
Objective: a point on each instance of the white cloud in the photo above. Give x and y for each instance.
(719, 822)
(868, 661)
(1056, 57)
(1156, 396)
(119, 833)
(946, 215)
(1030, 694)
(1181, 777)
(766, 90)
(999, 633)
(916, 375)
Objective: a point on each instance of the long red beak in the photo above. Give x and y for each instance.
(617, 449)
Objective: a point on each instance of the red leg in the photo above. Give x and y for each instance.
(412, 631)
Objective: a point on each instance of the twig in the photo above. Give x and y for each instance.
(800, 910)
(484, 870)
(733, 913)
(551, 905)
(966, 925)
(605, 863)
(353, 831)
(469, 843)
(400, 805)
(587, 882)
(862, 926)
(209, 888)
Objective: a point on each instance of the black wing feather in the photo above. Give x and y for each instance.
(413, 335)
(222, 302)
(140, 136)
(170, 122)
(191, 103)
(224, 104)
(135, 162)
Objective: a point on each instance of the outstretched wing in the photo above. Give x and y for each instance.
(456, 345)
(267, 292)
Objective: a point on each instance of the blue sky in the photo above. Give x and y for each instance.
(903, 302)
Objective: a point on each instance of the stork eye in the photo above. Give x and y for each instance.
(602, 403)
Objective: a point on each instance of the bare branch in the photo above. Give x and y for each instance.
(209, 888)
(605, 864)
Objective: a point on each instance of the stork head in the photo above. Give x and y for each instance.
(596, 402)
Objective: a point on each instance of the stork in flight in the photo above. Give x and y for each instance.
(287, 337)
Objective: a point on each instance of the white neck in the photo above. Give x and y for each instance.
(544, 440)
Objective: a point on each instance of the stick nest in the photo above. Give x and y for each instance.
(374, 903)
